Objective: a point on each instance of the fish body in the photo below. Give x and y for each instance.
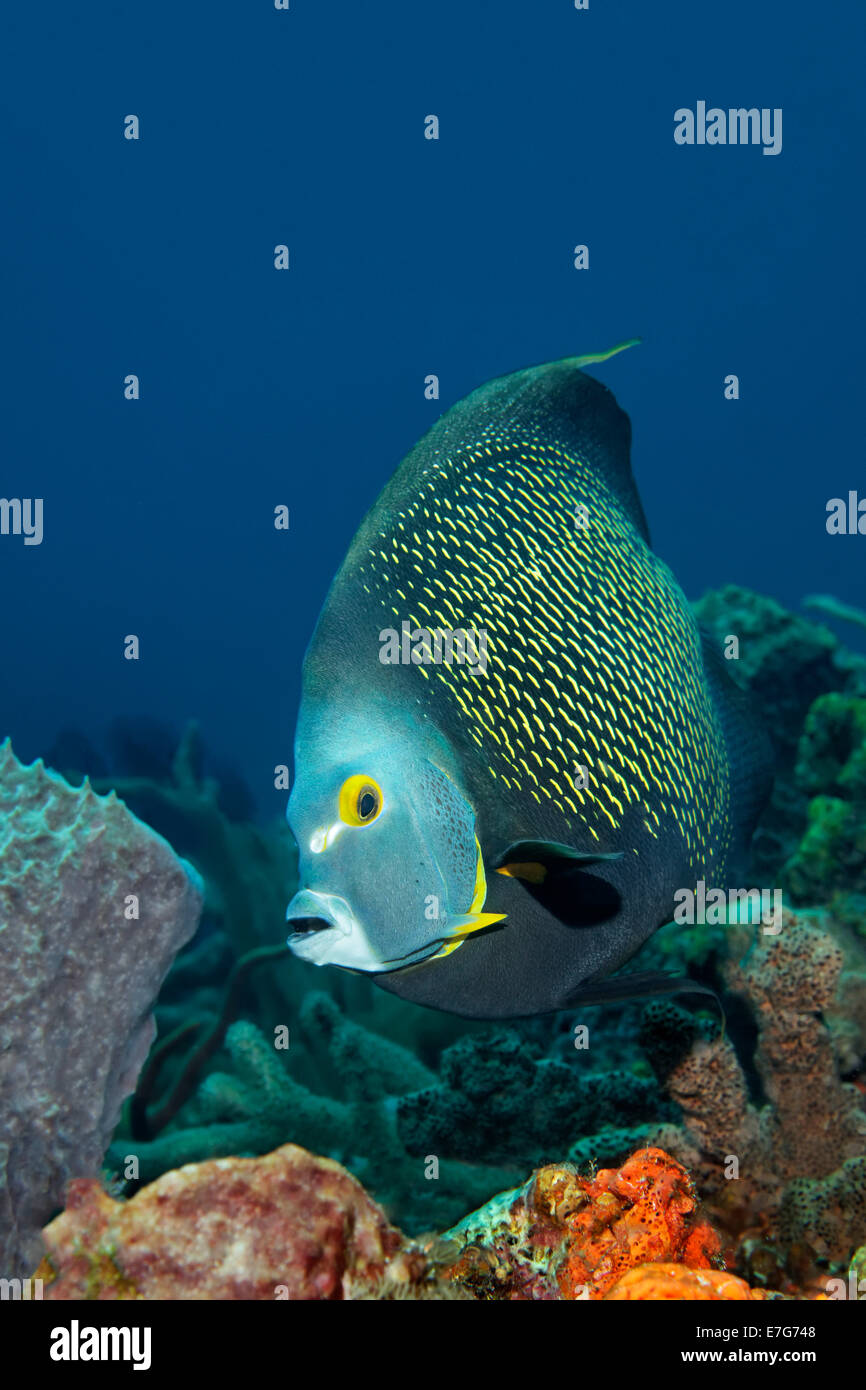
(517, 821)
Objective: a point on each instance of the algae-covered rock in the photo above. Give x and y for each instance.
(831, 756)
(831, 856)
(787, 663)
(829, 864)
(784, 659)
(289, 1225)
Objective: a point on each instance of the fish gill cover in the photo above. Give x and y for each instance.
(440, 879)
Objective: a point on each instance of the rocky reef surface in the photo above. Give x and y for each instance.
(294, 1226)
(755, 1113)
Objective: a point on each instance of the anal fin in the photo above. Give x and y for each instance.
(637, 984)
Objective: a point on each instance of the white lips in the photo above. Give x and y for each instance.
(342, 942)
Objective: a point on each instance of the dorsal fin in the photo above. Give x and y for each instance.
(588, 358)
(556, 401)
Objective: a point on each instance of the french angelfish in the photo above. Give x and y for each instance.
(493, 837)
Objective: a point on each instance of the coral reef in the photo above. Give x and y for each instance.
(93, 907)
(562, 1236)
(796, 1163)
(500, 1103)
(258, 1105)
(498, 1097)
(786, 662)
(294, 1226)
(829, 864)
(834, 608)
(248, 1111)
(828, 1214)
(249, 871)
(435, 1114)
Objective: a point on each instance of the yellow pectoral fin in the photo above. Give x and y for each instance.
(473, 920)
(462, 927)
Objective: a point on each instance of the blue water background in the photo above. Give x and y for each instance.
(407, 257)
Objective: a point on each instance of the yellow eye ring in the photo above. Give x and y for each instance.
(361, 800)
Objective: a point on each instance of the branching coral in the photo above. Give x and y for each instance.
(835, 608)
(816, 1120)
(251, 1110)
(753, 1162)
(258, 1105)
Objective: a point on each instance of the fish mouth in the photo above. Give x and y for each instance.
(324, 931)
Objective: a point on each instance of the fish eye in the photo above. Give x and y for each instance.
(361, 800)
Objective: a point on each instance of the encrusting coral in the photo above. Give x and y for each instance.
(673, 1281)
(93, 907)
(566, 1236)
(294, 1226)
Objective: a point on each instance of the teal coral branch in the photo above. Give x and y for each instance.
(835, 608)
(147, 1124)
